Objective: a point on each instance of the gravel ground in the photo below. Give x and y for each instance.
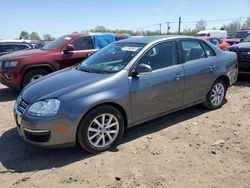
(191, 148)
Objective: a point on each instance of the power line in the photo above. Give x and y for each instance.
(185, 22)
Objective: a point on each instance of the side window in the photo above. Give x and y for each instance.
(215, 41)
(209, 51)
(1, 48)
(83, 43)
(192, 50)
(220, 41)
(161, 56)
(22, 47)
(9, 48)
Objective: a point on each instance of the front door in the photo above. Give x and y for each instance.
(162, 90)
(83, 49)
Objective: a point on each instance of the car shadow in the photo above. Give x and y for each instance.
(19, 156)
(8, 94)
(243, 81)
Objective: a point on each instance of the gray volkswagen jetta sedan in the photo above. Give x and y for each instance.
(124, 84)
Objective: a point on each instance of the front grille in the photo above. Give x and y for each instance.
(242, 53)
(37, 136)
(22, 106)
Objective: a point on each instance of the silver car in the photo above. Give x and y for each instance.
(124, 84)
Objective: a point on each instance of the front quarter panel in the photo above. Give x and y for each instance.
(115, 90)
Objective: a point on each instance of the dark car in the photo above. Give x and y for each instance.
(243, 53)
(124, 84)
(20, 68)
(7, 47)
(237, 37)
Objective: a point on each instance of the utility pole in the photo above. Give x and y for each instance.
(168, 27)
(160, 28)
(179, 27)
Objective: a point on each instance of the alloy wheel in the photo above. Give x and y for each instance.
(103, 130)
(217, 94)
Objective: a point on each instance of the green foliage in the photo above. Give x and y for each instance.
(34, 36)
(24, 35)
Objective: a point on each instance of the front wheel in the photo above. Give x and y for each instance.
(33, 75)
(101, 129)
(216, 96)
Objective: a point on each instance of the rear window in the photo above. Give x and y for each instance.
(240, 34)
(209, 51)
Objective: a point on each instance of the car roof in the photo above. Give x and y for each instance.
(149, 39)
(207, 38)
(15, 43)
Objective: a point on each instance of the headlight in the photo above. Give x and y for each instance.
(48, 107)
(8, 64)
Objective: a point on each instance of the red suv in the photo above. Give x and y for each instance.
(20, 68)
(238, 37)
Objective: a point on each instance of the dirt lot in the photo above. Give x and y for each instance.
(191, 148)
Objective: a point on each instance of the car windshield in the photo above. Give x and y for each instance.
(247, 39)
(112, 58)
(56, 43)
(240, 34)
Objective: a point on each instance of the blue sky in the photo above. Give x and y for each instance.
(58, 17)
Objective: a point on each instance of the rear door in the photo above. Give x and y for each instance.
(162, 90)
(199, 67)
(83, 48)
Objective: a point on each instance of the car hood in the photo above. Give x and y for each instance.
(22, 53)
(241, 45)
(59, 83)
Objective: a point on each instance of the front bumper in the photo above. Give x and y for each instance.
(42, 131)
(244, 66)
(9, 78)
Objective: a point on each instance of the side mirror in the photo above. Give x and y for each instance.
(142, 69)
(69, 48)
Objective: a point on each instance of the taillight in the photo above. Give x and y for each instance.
(236, 61)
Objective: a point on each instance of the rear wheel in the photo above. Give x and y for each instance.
(101, 129)
(32, 75)
(216, 96)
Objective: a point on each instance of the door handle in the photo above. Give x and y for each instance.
(179, 76)
(212, 68)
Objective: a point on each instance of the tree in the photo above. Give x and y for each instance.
(48, 37)
(246, 24)
(34, 36)
(201, 25)
(233, 26)
(24, 35)
(99, 29)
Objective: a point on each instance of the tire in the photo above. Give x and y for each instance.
(33, 75)
(216, 96)
(95, 138)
